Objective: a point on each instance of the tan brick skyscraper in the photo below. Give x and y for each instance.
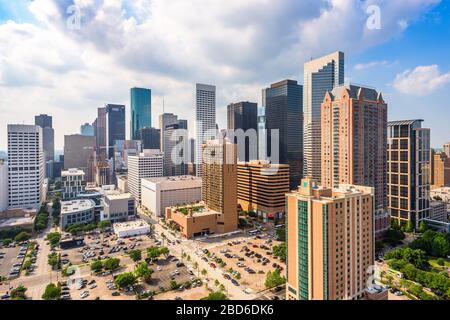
(354, 144)
(219, 182)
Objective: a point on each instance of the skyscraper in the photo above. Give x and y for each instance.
(141, 110)
(205, 119)
(354, 143)
(174, 165)
(46, 123)
(166, 119)
(150, 137)
(87, 130)
(244, 115)
(330, 243)
(101, 132)
(77, 151)
(321, 75)
(115, 126)
(282, 103)
(3, 185)
(408, 172)
(439, 170)
(219, 182)
(26, 166)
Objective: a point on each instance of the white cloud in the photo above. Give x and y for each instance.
(421, 81)
(241, 46)
(372, 64)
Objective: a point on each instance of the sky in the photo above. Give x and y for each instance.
(66, 58)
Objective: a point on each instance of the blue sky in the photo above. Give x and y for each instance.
(46, 66)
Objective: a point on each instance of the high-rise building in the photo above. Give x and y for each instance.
(261, 188)
(447, 149)
(77, 150)
(26, 166)
(408, 157)
(148, 164)
(244, 116)
(283, 105)
(205, 120)
(46, 123)
(141, 110)
(354, 143)
(103, 173)
(87, 129)
(330, 242)
(262, 136)
(101, 132)
(219, 182)
(440, 170)
(166, 119)
(73, 183)
(150, 137)
(3, 185)
(115, 127)
(320, 76)
(174, 163)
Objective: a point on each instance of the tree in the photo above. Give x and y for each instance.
(409, 227)
(23, 236)
(144, 272)
(204, 272)
(281, 234)
(440, 247)
(19, 293)
(280, 251)
(423, 227)
(54, 238)
(274, 279)
(216, 296)
(105, 224)
(153, 253)
(136, 255)
(97, 265)
(53, 260)
(52, 292)
(164, 251)
(174, 285)
(124, 280)
(111, 264)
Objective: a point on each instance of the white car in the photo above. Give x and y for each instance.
(84, 294)
(93, 286)
(159, 268)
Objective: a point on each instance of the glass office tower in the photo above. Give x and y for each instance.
(141, 110)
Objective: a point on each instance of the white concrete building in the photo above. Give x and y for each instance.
(73, 183)
(160, 193)
(77, 212)
(205, 119)
(131, 228)
(118, 207)
(442, 193)
(26, 166)
(3, 186)
(149, 164)
(438, 211)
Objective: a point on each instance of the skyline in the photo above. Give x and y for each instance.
(77, 71)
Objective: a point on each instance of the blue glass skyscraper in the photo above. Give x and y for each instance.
(141, 110)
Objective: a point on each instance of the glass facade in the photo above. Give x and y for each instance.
(141, 110)
(115, 123)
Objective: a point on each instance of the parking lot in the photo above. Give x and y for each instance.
(103, 247)
(250, 259)
(11, 260)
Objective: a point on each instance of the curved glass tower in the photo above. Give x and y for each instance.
(141, 110)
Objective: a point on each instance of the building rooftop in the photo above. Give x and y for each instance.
(197, 210)
(173, 179)
(76, 205)
(117, 195)
(129, 225)
(16, 221)
(72, 172)
(404, 122)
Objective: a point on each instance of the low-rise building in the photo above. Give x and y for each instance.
(73, 183)
(377, 292)
(77, 212)
(122, 184)
(118, 207)
(195, 220)
(18, 218)
(441, 194)
(163, 192)
(131, 228)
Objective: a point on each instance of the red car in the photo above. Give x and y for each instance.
(213, 265)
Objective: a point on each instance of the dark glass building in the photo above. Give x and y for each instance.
(115, 126)
(150, 137)
(244, 115)
(283, 104)
(141, 110)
